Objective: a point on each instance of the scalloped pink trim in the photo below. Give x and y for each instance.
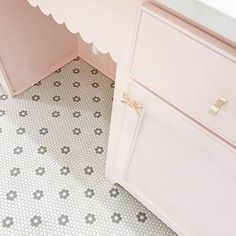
(85, 36)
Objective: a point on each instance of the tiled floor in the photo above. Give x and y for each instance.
(53, 141)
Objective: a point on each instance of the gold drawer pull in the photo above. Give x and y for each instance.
(137, 106)
(215, 108)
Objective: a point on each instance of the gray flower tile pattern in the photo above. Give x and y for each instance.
(36, 221)
(64, 194)
(38, 83)
(88, 170)
(96, 99)
(90, 218)
(42, 150)
(76, 114)
(142, 217)
(2, 113)
(98, 131)
(95, 85)
(63, 220)
(7, 222)
(18, 150)
(55, 114)
(76, 70)
(116, 218)
(97, 114)
(38, 194)
(112, 85)
(114, 192)
(23, 113)
(15, 171)
(43, 131)
(65, 170)
(89, 193)
(35, 97)
(99, 150)
(11, 195)
(20, 131)
(65, 150)
(76, 131)
(57, 83)
(58, 70)
(3, 97)
(76, 84)
(53, 144)
(40, 171)
(94, 71)
(56, 98)
(76, 99)
(77, 58)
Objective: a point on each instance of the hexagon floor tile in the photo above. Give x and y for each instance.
(53, 140)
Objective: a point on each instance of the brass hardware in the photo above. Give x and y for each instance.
(215, 108)
(137, 106)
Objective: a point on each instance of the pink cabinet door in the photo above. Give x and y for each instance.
(32, 45)
(178, 170)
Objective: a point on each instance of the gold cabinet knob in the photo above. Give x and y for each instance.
(137, 106)
(215, 108)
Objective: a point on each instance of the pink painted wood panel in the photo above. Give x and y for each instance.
(185, 175)
(188, 68)
(32, 45)
(103, 62)
(106, 23)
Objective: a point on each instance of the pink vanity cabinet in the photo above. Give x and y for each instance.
(176, 152)
(32, 45)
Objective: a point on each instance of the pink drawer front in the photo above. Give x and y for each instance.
(186, 67)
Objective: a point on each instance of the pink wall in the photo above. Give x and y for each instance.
(32, 45)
